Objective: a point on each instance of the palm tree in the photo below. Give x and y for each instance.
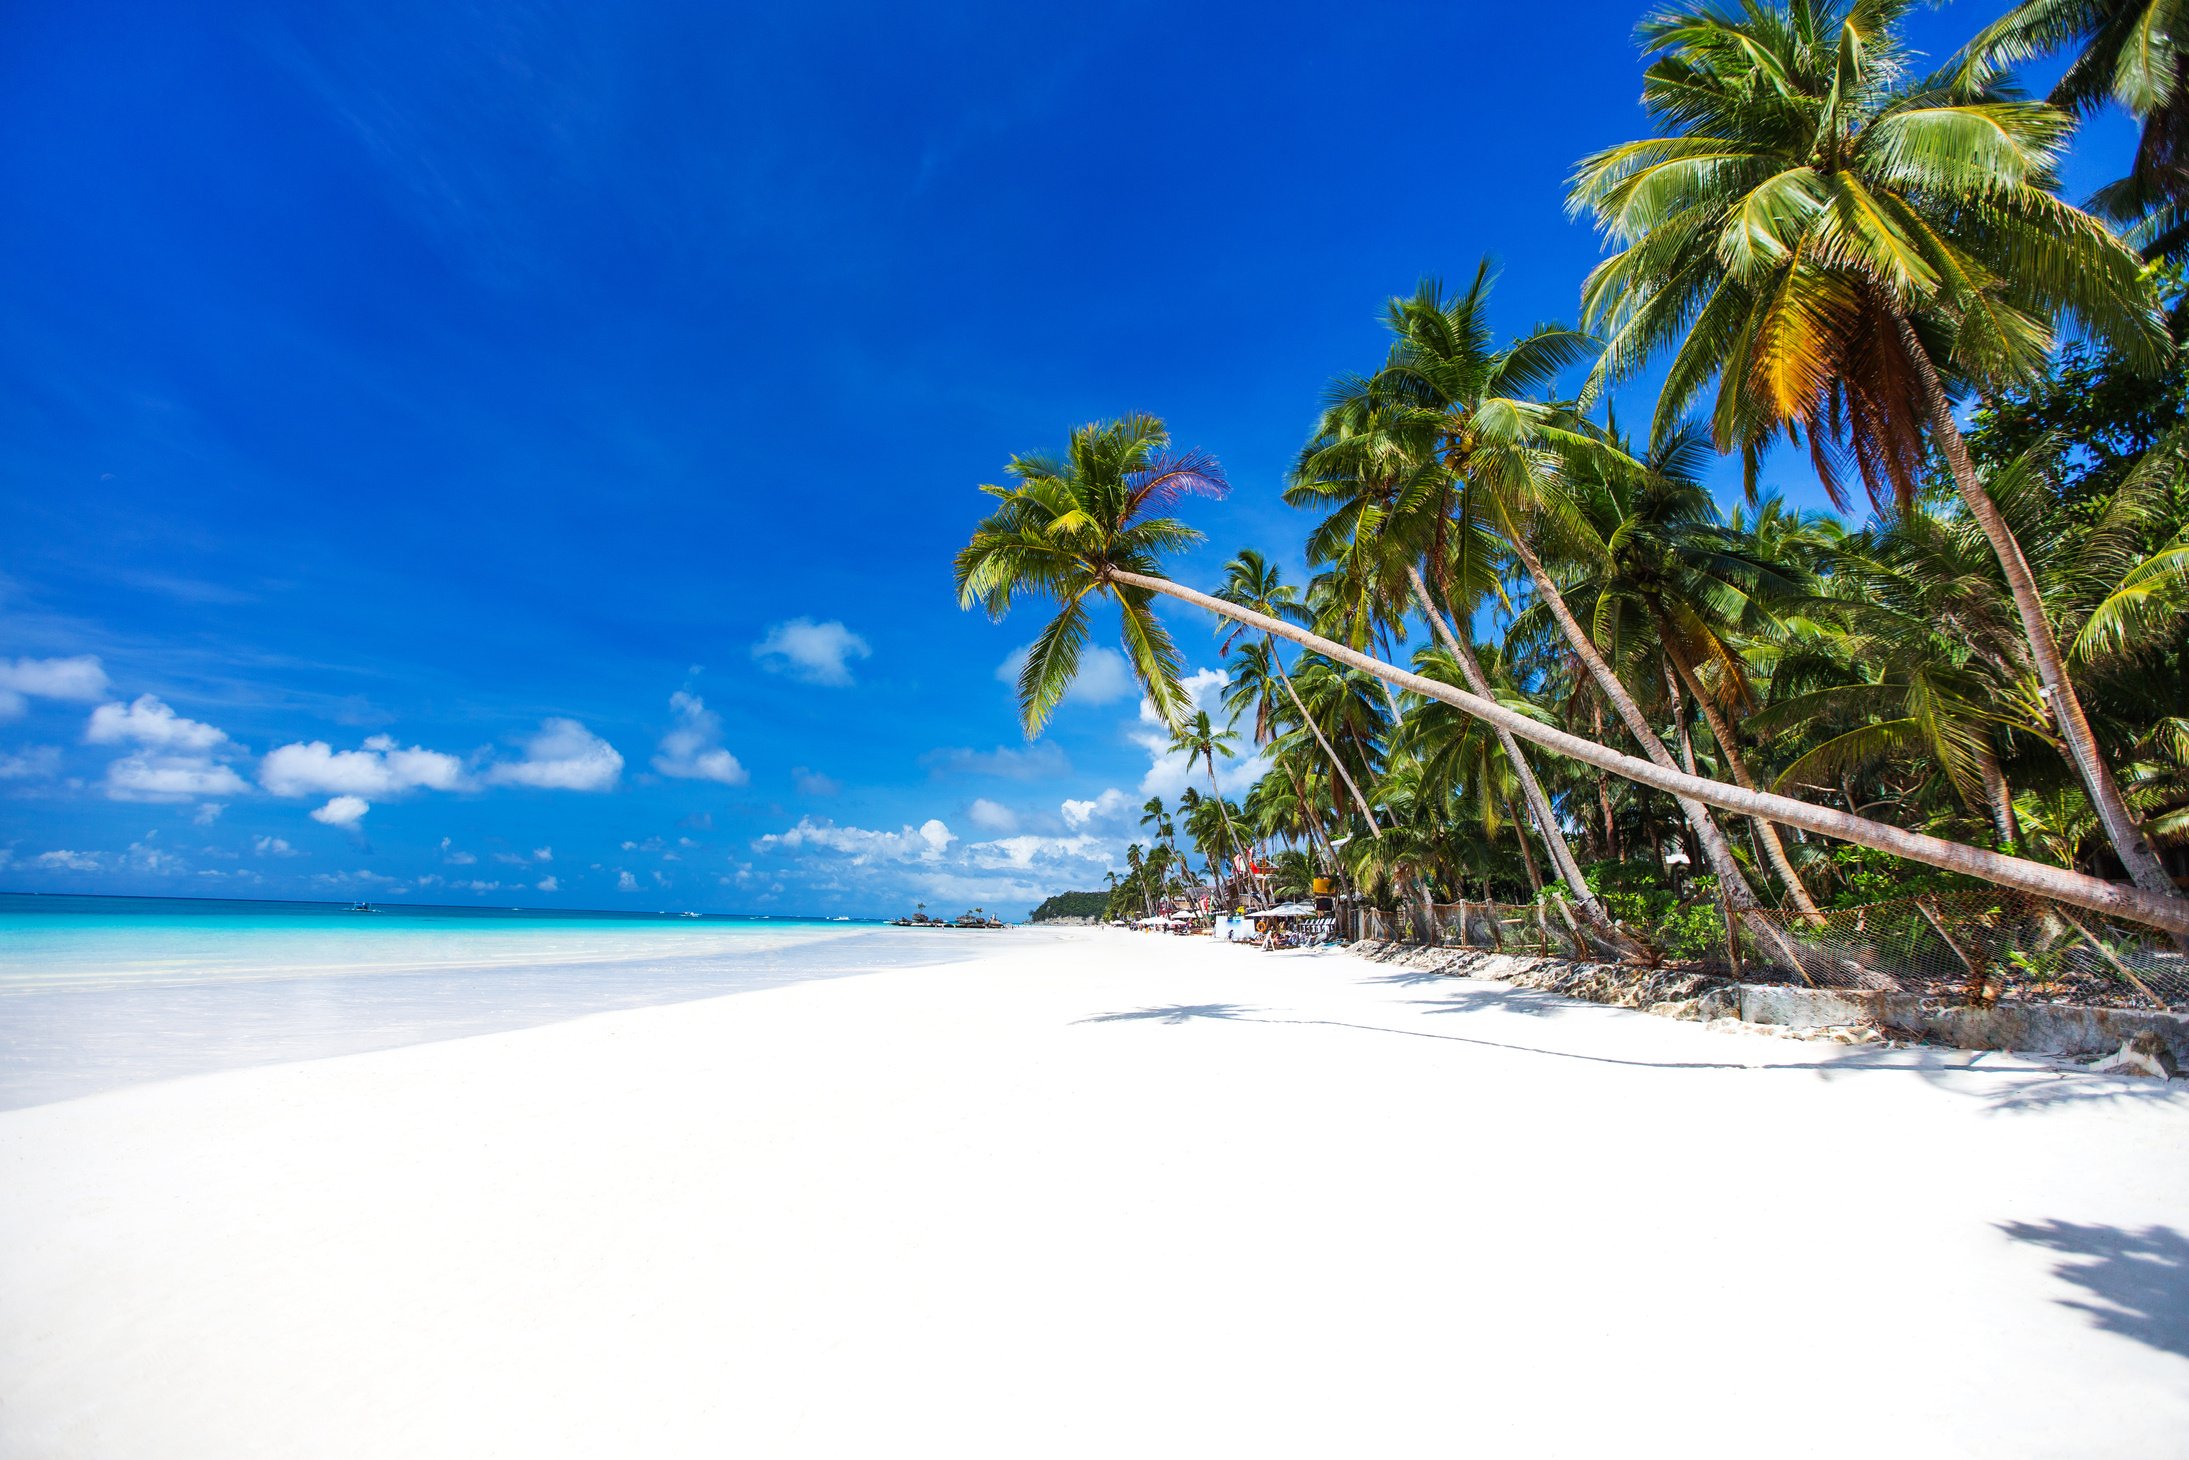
(1199, 739)
(2126, 51)
(1081, 528)
(1654, 541)
(1252, 581)
(1916, 674)
(1839, 245)
(1447, 428)
(1253, 684)
(1153, 816)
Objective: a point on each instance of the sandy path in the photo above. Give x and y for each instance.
(1283, 1205)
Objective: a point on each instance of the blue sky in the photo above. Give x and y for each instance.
(513, 453)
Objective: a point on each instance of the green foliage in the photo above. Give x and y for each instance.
(1861, 876)
(1681, 924)
(2110, 414)
(1073, 905)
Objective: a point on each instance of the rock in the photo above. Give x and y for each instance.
(2143, 1055)
(1722, 1003)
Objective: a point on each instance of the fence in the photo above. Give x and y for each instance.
(1973, 947)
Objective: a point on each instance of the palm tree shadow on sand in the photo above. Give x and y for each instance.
(2138, 1279)
(1173, 1013)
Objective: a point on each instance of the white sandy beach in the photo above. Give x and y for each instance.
(1090, 1193)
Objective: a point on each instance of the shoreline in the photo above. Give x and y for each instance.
(1074, 1194)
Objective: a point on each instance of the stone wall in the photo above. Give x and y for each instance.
(2070, 1030)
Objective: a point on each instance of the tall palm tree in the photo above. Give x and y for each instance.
(1198, 738)
(1156, 819)
(1840, 244)
(1254, 682)
(1083, 528)
(1252, 581)
(1449, 429)
(1654, 541)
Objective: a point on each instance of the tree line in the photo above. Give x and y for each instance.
(1536, 658)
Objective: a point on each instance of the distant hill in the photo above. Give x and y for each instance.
(1072, 905)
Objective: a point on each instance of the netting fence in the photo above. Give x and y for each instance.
(1973, 947)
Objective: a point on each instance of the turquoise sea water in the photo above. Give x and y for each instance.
(99, 992)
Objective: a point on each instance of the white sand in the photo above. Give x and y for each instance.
(1317, 1211)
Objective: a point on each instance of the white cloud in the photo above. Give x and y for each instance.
(1104, 676)
(548, 884)
(67, 861)
(148, 722)
(454, 857)
(1112, 802)
(209, 813)
(692, 750)
(543, 854)
(175, 759)
(563, 756)
(813, 652)
(381, 768)
(625, 882)
(272, 846)
(78, 678)
(992, 816)
(153, 777)
(343, 811)
(813, 783)
(1019, 853)
(926, 842)
(36, 763)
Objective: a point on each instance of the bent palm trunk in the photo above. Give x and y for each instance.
(2129, 844)
(1531, 790)
(1736, 899)
(2036, 878)
(1774, 850)
(1324, 741)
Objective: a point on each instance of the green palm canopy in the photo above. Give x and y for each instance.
(1064, 528)
(1818, 226)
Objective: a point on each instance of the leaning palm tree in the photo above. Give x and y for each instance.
(1254, 682)
(1083, 528)
(1252, 581)
(1654, 541)
(1840, 244)
(1446, 442)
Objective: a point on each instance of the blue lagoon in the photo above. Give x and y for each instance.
(101, 992)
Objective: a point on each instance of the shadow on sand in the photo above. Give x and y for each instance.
(1246, 1014)
(1845, 1061)
(2139, 1280)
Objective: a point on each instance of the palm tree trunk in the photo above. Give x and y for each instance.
(1603, 789)
(1767, 835)
(1323, 740)
(1531, 790)
(2037, 878)
(1998, 798)
(1527, 853)
(1736, 899)
(1315, 824)
(2129, 843)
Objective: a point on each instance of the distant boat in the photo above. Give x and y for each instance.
(363, 907)
(688, 915)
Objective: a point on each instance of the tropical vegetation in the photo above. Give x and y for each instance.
(1533, 657)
